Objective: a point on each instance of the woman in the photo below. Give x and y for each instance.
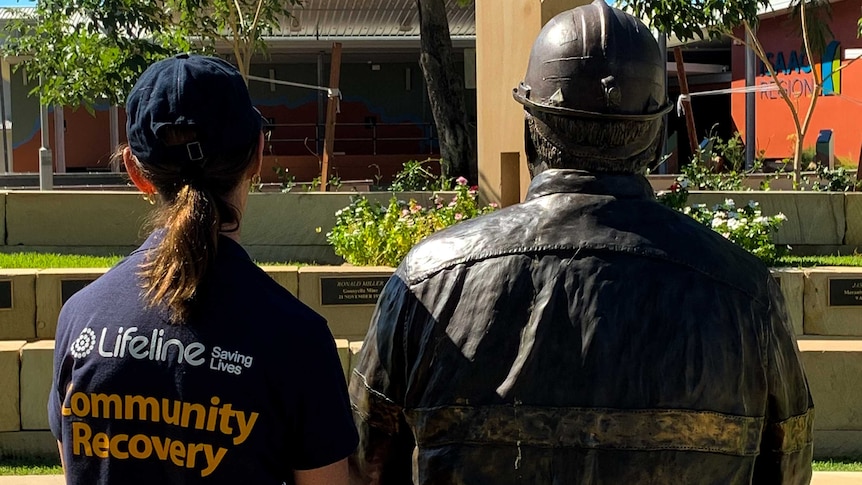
(186, 363)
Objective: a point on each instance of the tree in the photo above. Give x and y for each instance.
(445, 91)
(90, 51)
(715, 18)
(239, 22)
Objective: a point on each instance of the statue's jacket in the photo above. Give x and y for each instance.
(588, 335)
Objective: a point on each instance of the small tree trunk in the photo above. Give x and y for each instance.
(445, 91)
(797, 161)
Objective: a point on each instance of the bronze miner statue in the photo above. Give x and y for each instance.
(588, 335)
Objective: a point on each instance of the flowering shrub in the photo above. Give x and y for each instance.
(746, 226)
(367, 234)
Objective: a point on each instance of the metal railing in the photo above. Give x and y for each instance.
(308, 137)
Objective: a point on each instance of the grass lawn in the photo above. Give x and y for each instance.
(24, 466)
(21, 467)
(52, 260)
(810, 261)
(838, 465)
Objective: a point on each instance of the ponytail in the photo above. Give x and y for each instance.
(176, 267)
(194, 209)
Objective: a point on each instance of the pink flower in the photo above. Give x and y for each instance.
(458, 216)
(461, 181)
(415, 208)
(494, 205)
(405, 212)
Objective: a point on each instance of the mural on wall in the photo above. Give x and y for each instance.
(838, 108)
(796, 62)
(830, 69)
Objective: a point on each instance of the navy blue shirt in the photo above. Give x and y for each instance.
(247, 391)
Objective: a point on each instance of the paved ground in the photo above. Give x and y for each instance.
(820, 478)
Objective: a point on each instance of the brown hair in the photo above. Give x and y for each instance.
(193, 209)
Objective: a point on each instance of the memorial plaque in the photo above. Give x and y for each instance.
(5, 295)
(358, 290)
(845, 292)
(70, 287)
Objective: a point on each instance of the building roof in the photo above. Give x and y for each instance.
(369, 18)
(331, 19)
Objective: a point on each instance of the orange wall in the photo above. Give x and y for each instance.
(841, 113)
(88, 142)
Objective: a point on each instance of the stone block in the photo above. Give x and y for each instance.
(17, 304)
(813, 218)
(75, 218)
(37, 364)
(853, 209)
(343, 347)
(792, 281)
(53, 288)
(831, 444)
(833, 367)
(833, 301)
(10, 385)
(31, 445)
(344, 295)
(286, 276)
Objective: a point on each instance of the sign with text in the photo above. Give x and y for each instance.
(5, 295)
(357, 290)
(70, 287)
(845, 292)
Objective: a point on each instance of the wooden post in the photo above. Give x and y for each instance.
(331, 106)
(686, 104)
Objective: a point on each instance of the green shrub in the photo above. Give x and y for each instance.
(370, 234)
(839, 180)
(415, 177)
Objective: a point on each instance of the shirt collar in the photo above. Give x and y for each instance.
(554, 181)
(226, 246)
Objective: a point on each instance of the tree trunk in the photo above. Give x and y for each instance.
(445, 92)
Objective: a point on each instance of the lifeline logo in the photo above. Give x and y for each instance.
(127, 343)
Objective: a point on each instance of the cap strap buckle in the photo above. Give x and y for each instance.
(195, 151)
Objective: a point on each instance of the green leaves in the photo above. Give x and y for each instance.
(694, 19)
(88, 51)
(92, 51)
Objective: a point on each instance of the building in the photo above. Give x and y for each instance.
(838, 109)
(384, 116)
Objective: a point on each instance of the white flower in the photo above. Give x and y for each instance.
(729, 203)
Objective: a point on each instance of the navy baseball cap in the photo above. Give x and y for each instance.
(186, 90)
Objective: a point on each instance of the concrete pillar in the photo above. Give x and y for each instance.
(46, 161)
(504, 36)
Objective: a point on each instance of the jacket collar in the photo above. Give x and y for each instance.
(555, 181)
